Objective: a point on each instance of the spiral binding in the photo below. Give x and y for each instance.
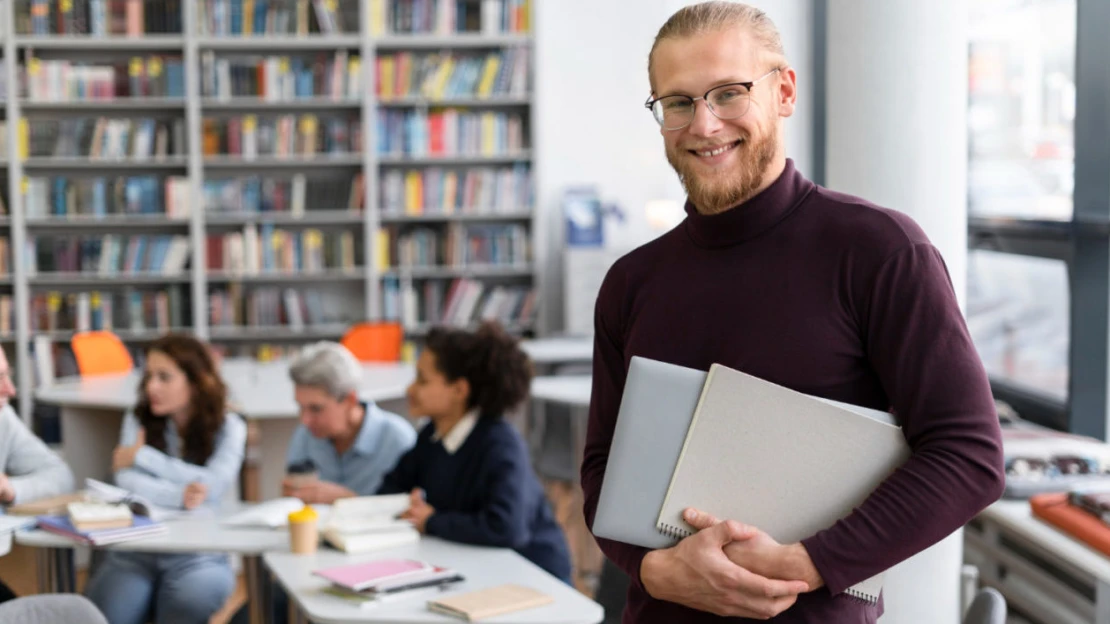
(674, 532)
(857, 594)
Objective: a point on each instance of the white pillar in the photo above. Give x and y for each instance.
(897, 136)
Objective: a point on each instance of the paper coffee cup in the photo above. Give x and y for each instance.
(303, 536)
(299, 479)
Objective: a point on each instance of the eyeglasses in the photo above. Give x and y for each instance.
(727, 101)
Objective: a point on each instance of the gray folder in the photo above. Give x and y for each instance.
(658, 403)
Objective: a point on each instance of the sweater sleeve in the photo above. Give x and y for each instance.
(33, 470)
(503, 519)
(608, 385)
(918, 344)
(217, 474)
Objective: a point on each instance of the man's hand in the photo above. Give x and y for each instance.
(195, 493)
(314, 492)
(7, 492)
(696, 573)
(419, 510)
(124, 456)
(762, 555)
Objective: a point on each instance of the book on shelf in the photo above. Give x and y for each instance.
(265, 194)
(471, 190)
(461, 302)
(458, 245)
(107, 255)
(133, 310)
(132, 18)
(104, 138)
(276, 78)
(98, 196)
(268, 307)
(262, 248)
(443, 17)
(63, 80)
(449, 132)
(437, 76)
(248, 137)
(276, 17)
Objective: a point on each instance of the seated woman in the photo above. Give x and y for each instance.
(469, 474)
(181, 449)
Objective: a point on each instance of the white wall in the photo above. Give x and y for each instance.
(592, 128)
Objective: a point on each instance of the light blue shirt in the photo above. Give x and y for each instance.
(383, 438)
(161, 477)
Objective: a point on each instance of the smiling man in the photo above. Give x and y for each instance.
(818, 291)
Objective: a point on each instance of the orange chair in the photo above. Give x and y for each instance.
(100, 353)
(374, 342)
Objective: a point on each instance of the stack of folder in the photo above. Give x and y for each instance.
(740, 448)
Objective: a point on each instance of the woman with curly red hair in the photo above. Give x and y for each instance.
(180, 448)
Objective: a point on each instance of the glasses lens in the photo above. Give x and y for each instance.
(673, 111)
(729, 101)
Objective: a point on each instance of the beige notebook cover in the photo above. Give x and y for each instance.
(785, 462)
(484, 603)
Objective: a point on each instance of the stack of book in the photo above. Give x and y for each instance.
(368, 523)
(99, 524)
(385, 580)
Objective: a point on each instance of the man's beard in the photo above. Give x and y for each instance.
(721, 190)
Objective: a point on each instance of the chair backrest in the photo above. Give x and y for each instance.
(374, 342)
(51, 608)
(989, 607)
(100, 353)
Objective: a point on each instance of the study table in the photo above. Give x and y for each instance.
(92, 407)
(200, 533)
(481, 567)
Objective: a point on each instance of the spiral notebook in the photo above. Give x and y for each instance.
(800, 463)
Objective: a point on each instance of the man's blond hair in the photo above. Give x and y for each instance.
(718, 15)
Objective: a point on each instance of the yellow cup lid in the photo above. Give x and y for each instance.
(304, 514)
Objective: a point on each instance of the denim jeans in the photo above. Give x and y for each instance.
(133, 588)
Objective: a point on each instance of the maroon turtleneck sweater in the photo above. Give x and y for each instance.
(832, 296)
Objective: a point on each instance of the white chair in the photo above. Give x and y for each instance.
(51, 609)
(989, 607)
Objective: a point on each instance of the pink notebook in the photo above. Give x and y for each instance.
(365, 575)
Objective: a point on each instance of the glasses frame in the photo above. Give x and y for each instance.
(650, 103)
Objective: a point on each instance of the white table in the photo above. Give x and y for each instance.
(482, 567)
(572, 390)
(1039, 569)
(92, 408)
(198, 534)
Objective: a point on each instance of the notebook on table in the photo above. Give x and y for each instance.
(486, 603)
(780, 460)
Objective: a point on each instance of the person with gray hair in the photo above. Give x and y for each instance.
(348, 443)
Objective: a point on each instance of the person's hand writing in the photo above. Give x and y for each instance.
(697, 573)
(419, 510)
(763, 555)
(124, 456)
(314, 492)
(7, 492)
(195, 493)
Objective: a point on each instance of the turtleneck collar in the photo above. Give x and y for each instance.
(751, 218)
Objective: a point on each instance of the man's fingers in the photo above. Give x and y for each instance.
(699, 519)
(729, 531)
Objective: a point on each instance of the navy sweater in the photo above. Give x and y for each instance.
(485, 494)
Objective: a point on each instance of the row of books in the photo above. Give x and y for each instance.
(263, 248)
(449, 132)
(269, 307)
(251, 136)
(459, 302)
(103, 138)
(47, 80)
(107, 255)
(62, 196)
(449, 74)
(282, 77)
(5, 257)
(128, 310)
(97, 17)
(255, 194)
(443, 17)
(276, 17)
(461, 245)
(436, 190)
